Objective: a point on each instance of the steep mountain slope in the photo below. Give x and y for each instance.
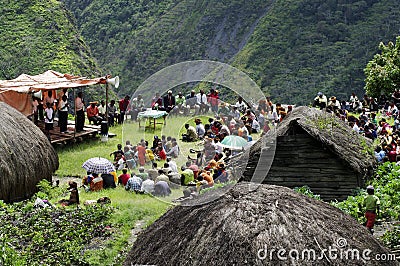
(139, 38)
(292, 48)
(301, 47)
(40, 35)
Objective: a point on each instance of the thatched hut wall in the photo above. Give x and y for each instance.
(234, 228)
(316, 149)
(26, 156)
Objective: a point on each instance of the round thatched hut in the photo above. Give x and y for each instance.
(26, 156)
(270, 225)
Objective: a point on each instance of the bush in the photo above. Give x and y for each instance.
(305, 190)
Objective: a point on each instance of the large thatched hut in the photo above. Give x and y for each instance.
(316, 149)
(26, 156)
(248, 226)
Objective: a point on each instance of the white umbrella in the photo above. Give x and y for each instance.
(98, 165)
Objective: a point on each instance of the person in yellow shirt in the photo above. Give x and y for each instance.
(371, 204)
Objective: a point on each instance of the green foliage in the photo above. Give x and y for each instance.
(392, 238)
(305, 190)
(387, 189)
(217, 186)
(51, 236)
(301, 47)
(47, 191)
(383, 71)
(40, 35)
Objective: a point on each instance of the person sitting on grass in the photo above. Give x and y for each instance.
(187, 176)
(73, 197)
(371, 204)
(174, 151)
(161, 189)
(124, 177)
(148, 186)
(108, 181)
(190, 135)
(161, 153)
(129, 157)
(221, 175)
(134, 183)
(153, 171)
(172, 165)
(118, 153)
(162, 176)
(142, 174)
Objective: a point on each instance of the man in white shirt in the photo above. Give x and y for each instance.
(241, 105)
(202, 102)
(102, 109)
(63, 113)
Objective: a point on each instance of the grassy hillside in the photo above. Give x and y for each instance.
(40, 35)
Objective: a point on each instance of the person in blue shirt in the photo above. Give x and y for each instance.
(379, 154)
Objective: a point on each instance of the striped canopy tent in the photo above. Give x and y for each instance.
(16, 92)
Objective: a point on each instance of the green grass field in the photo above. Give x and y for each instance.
(130, 208)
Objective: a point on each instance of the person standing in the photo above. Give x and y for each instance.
(371, 204)
(123, 108)
(202, 102)
(49, 119)
(63, 113)
(80, 114)
(213, 99)
(141, 153)
(102, 109)
(112, 113)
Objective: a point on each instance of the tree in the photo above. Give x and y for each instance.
(383, 72)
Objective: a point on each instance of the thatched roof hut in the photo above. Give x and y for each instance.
(317, 149)
(248, 227)
(26, 156)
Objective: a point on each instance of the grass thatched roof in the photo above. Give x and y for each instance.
(333, 133)
(26, 156)
(234, 228)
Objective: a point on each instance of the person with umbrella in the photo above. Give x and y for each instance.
(99, 165)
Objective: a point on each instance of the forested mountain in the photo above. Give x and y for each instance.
(304, 46)
(39, 35)
(291, 48)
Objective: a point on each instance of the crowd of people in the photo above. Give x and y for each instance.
(150, 166)
(376, 119)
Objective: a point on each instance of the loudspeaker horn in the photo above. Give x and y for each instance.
(114, 82)
(38, 94)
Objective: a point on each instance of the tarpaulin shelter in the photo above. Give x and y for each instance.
(16, 92)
